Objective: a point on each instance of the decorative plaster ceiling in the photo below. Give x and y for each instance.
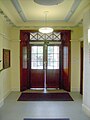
(48, 2)
(29, 13)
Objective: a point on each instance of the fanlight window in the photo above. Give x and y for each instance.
(41, 36)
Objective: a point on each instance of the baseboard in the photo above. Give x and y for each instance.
(1, 103)
(16, 89)
(86, 109)
(4, 97)
(6, 94)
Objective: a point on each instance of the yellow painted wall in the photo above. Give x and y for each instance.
(5, 75)
(15, 73)
(86, 71)
(77, 33)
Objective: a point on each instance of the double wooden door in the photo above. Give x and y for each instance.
(45, 60)
(44, 66)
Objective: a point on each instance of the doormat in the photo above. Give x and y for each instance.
(47, 119)
(45, 97)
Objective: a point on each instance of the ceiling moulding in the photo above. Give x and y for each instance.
(55, 27)
(7, 19)
(67, 18)
(72, 10)
(19, 9)
(48, 2)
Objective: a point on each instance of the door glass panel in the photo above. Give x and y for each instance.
(34, 49)
(40, 50)
(50, 49)
(50, 57)
(56, 49)
(65, 59)
(34, 57)
(37, 57)
(53, 57)
(24, 57)
(50, 65)
(56, 57)
(56, 65)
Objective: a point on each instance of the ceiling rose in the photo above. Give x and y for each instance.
(48, 2)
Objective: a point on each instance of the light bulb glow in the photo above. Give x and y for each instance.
(46, 30)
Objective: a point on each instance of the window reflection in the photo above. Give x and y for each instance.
(53, 57)
(37, 57)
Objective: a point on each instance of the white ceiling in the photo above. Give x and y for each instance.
(29, 13)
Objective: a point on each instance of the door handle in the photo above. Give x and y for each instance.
(44, 65)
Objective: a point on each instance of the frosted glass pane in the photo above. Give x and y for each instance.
(50, 57)
(65, 57)
(50, 49)
(40, 49)
(34, 49)
(34, 65)
(50, 65)
(56, 49)
(56, 65)
(34, 57)
(40, 57)
(56, 57)
(24, 50)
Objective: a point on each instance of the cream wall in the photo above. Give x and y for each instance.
(76, 34)
(86, 74)
(15, 73)
(5, 75)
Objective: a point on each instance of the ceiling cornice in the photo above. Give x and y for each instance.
(72, 10)
(19, 10)
(67, 18)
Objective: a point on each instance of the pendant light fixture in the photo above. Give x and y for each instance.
(46, 29)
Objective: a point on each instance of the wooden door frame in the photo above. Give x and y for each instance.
(81, 67)
(25, 39)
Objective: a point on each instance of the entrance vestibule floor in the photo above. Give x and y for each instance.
(17, 110)
(44, 90)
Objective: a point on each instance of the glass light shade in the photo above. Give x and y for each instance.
(45, 30)
(88, 35)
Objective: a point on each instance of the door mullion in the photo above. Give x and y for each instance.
(45, 65)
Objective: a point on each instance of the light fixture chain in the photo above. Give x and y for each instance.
(46, 18)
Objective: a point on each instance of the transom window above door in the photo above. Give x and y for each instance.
(40, 36)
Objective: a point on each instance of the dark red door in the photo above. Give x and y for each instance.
(81, 69)
(36, 67)
(53, 67)
(42, 66)
(44, 70)
(24, 78)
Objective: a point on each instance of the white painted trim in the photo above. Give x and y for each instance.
(86, 109)
(6, 94)
(16, 89)
(1, 103)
